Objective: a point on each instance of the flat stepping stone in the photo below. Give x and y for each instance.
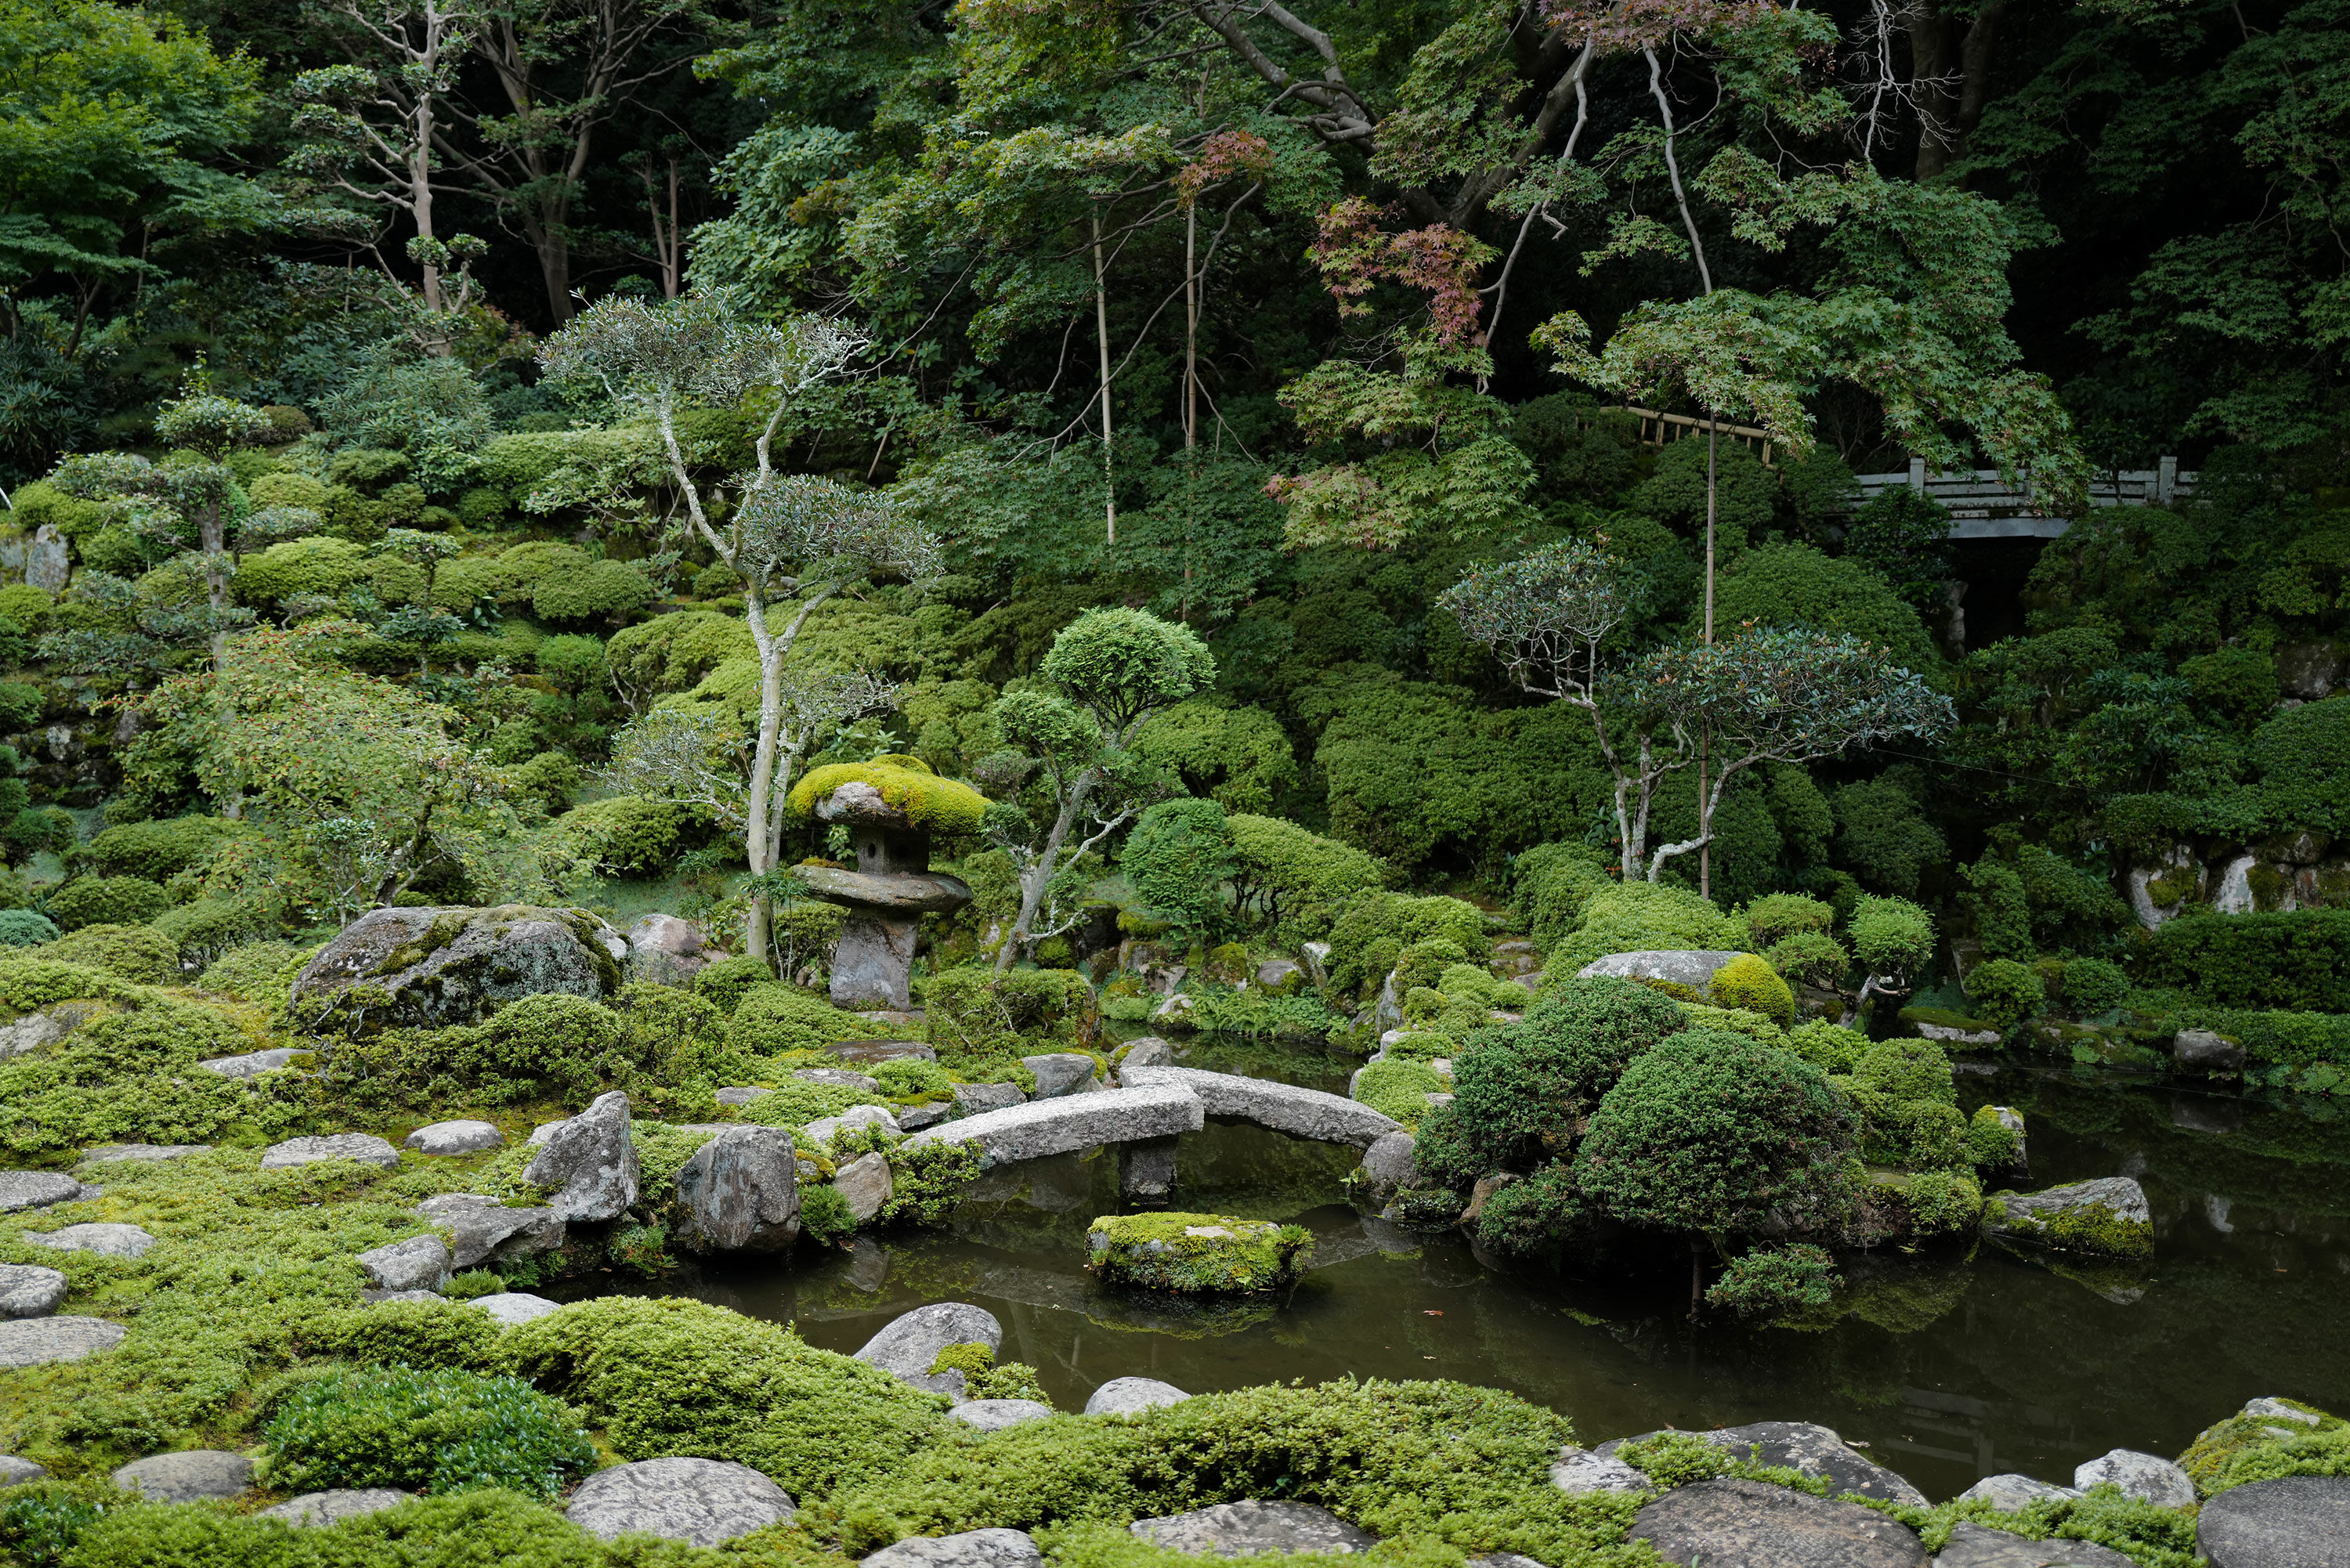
(316, 1508)
(969, 1549)
(365, 1147)
(2010, 1493)
(995, 1415)
(2295, 1521)
(22, 1189)
(1126, 1396)
(511, 1307)
(189, 1477)
(1973, 1545)
(1074, 1122)
(698, 1502)
(1749, 1524)
(909, 1346)
(105, 1240)
(2146, 1477)
(39, 1341)
(14, 1472)
(253, 1064)
(141, 1151)
(26, 1289)
(1285, 1108)
(454, 1137)
(1804, 1446)
(1240, 1528)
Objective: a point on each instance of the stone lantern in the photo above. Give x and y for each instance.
(890, 805)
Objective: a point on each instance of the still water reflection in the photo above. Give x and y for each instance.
(1950, 1364)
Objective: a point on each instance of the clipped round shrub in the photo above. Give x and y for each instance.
(317, 565)
(1894, 937)
(1641, 917)
(725, 982)
(440, 1431)
(107, 901)
(574, 663)
(1527, 1216)
(1774, 1280)
(1775, 917)
(1751, 982)
(285, 487)
(1809, 958)
(258, 972)
(1521, 1087)
(2092, 986)
(140, 953)
(1830, 1047)
(826, 1217)
(602, 588)
(1378, 926)
(207, 926)
(1711, 1132)
(628, 834)
(2005, 992)
(772, 1018)
(160, 849)
(1179, 857)
(1991, 1144)
(26, 929)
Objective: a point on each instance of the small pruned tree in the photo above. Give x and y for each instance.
(1111, 670)
(1782, 694)
(793, 540)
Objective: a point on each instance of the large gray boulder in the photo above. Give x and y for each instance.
(1060, 1073)
(698, 1502)
(995, 1415)
(22, 1189)
(973, 1098)
(910, 1344)
(1973, 1545)
(2146, 1477)
(1579, 1470)
(1390, 1164)
(2106, 1217)
(666, 951)
(418, 1264)
(511, 1307)
(969, 1549)
(105, 1240)
(1750, 1525)
(17, 1471)
(1285, 1108)
(1075, 1122)
(27, 1290)
(589, 1162)
(39, 1341)
(2011, 1491)
(364, 1147)
(1691, 967)
(481, 1229)
(1242, 1528)
(1149, 1051)
(2295, 1521)
(1132, 1395)
(454, 1137)
(866, 1185)
(1804, 1446)
(740, 1192)
(434, 967)
(2200, 1050)
(189, 1477)
(316, 1507)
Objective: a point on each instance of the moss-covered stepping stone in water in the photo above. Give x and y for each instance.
(1196, 1253)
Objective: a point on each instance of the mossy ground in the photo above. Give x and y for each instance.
(2093, 1230)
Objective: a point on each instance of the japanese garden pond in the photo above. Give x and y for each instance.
(1950, 1364)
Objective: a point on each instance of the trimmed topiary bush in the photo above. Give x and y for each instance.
(1712, 1132)
(1298, 883)
(441, 1431)
(1377, 927)
(1527, 1216)
(1551, 883)
(1640, 917)
(772, 1018)
(259, 972)
(25, 929)
(2005, 992)
(1894, 937)
(1179, 857)
(725, 982)
(1775, 917)
(1520, 1089)
(1774, 1280)
(1752, 984)
(2295, 961)
(160, 849)
(138, 953)
(1809, 958)
(107, 901)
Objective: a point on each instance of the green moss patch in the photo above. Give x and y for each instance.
(906, 784)
(1196, 1253)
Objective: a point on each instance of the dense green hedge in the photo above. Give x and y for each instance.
(2296, 961)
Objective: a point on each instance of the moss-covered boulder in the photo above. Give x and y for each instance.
(1197, 1254)
(2108, 1218)
(431, 968)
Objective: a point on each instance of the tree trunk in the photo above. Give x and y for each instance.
(758, 922)
(1705, 741)
(1039, 874)
(1929, 38)
(1101, 332)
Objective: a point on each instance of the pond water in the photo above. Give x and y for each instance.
(1950, 1364)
